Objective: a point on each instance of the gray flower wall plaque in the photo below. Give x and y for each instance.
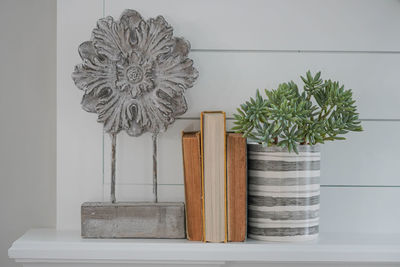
(133, 75)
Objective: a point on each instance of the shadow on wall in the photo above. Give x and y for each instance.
(28, 119)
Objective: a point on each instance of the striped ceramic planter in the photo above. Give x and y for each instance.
(283, 203)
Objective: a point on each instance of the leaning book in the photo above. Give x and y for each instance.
(193, 185)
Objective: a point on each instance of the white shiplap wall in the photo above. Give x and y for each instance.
(239, 46)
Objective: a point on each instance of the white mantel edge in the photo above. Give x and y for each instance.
(52, 246)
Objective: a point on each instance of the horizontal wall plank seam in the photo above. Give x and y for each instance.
(322, 185)
(360, 186)
(231, 118)
(295, 51)
(380, 120)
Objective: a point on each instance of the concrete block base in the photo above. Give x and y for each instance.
(133, 220)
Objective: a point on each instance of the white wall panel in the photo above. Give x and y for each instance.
(227, 79)
(135, 192)
(276, 24)
(349, 162)
(356, 210)
(134, 156)
(79, 137)
(360, 210)
(370, 157)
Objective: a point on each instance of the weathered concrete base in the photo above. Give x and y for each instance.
(133, 220)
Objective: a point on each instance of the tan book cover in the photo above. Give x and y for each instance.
(236, 154)
(213, 151)
(193, 185)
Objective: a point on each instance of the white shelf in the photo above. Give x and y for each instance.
(50, 245)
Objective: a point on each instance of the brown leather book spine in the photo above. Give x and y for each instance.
(237, 187)
(193, 185)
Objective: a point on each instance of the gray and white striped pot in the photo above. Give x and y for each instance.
(283, 197)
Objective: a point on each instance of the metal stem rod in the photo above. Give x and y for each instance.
(155, 191)
(113, 148)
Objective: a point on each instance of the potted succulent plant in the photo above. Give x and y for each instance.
(284, 130)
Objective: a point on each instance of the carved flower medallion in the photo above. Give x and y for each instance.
(134, 74)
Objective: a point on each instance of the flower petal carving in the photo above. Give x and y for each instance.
(156, 112)
(111, 39)
(154, 37)
(87, 51)
(130, 19)
(134, 74)
(89, 102)
(181, 47)
(177, 74)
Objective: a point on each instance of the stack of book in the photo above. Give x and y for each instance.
(215, 176)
